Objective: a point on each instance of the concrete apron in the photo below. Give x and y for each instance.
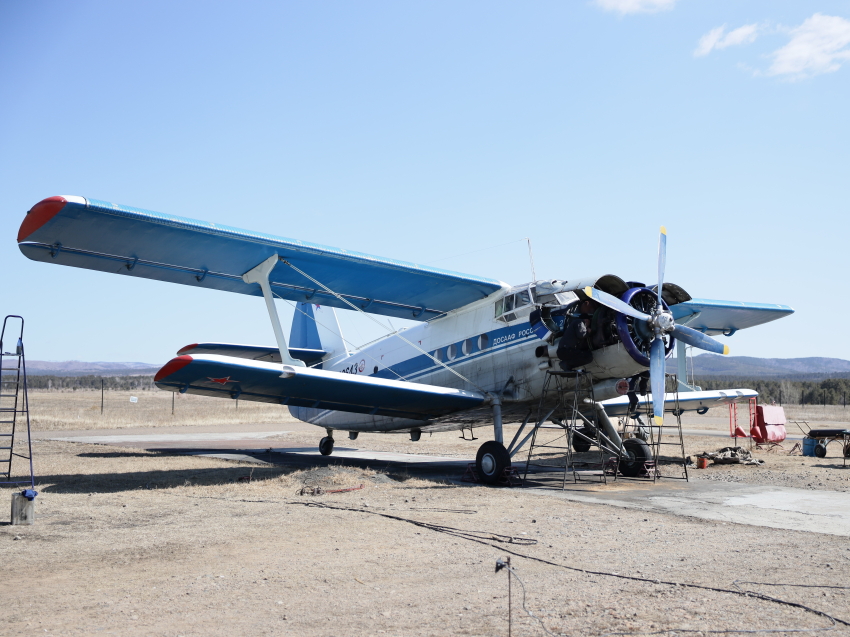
(775, 507)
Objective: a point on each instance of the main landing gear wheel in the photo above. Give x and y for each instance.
(580, 444)
(637, 453)
(491, 461)
(326, 446)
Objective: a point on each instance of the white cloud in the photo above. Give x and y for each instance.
(719, 39)
(635, 6)
(819, 45)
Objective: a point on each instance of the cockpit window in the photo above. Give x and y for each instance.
(513, 302)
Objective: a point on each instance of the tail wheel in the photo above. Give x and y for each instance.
(637, 453)
(491, 461)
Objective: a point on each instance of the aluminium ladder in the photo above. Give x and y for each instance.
(14, 410)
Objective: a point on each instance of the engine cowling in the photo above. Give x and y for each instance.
(636, 335)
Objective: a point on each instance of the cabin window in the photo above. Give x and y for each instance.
(438, 354)
(509, 303)
(522, 298)
(468, 345)
(500, 307)
(451, 352)
(483, 342)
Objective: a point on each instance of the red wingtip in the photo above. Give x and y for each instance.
(174, 365)
(188, 348)
(39, 214)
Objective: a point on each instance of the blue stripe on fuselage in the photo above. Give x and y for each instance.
(422, 365)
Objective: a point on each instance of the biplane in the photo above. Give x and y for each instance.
(479, 353)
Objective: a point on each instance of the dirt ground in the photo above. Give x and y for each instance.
(130, 542)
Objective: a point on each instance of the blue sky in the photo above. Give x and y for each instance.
(432, 132)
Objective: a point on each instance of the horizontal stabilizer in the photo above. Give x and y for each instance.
(253, 352)
(98, 235)
(228, 377)
(688, 401)
(726, 317)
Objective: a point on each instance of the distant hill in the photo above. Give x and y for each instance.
(81, 368)
(749, 366)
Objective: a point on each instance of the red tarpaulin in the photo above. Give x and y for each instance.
(770, 424)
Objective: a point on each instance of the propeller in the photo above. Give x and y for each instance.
(661, 322)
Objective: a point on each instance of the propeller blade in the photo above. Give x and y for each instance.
(657, 378)
(662, 260)
(614, 303)
(698, 339)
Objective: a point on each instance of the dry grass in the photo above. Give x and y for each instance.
(51, 411)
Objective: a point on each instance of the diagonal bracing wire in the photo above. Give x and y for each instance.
(373, 319)
(317, 322)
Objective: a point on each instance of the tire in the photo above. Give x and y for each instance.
(637, 453)
(326, 446)
(491, 461)
(820, 450)
(847, 450)
(580, 444)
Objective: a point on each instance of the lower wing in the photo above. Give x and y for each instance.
(228, 377)
(687, 401)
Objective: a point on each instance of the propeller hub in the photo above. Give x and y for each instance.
(664, 321)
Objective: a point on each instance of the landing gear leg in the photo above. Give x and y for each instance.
(326, 444)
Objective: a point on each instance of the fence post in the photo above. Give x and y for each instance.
(101, 396)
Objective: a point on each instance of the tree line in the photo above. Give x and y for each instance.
(830, 391)
(77, 383)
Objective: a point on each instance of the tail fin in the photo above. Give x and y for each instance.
(316, 327)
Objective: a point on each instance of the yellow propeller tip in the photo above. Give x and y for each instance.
(589, 291)
(663, 230)
(658, 420)
(725, 350)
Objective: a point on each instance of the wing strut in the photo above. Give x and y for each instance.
(260, 274)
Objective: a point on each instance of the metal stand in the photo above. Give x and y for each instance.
(568, 426)
(657, 439)
(14, 402)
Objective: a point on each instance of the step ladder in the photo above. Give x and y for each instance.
(666, 442)
(15, 440)
(565, 432)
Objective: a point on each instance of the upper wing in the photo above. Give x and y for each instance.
(97, 235)
(687, 401)
(305, 387)
(726, 317)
